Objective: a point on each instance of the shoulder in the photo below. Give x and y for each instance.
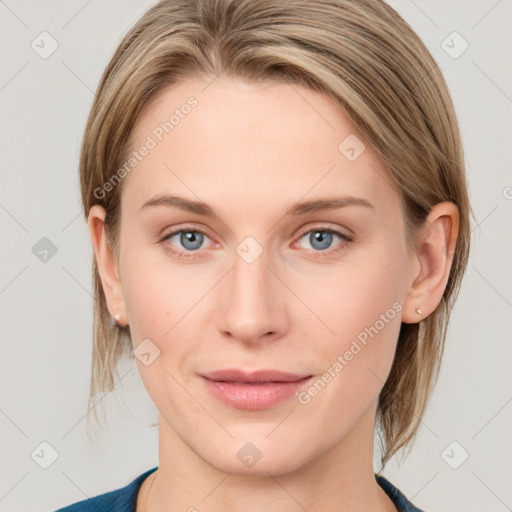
(119, 500)
(397, 497)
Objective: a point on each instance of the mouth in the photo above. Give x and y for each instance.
(256, 390)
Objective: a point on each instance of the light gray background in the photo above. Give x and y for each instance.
(46, 307)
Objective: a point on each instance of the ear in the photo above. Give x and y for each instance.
(431, 262)
(107, 265)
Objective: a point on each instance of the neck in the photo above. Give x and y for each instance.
(340, 478)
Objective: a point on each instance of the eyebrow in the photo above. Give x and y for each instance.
(300, 208)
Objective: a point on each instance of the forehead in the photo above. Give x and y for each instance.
(231, 137)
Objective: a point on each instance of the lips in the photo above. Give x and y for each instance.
(258, 376)
(255, 390)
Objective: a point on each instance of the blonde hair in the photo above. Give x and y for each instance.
(361, 54)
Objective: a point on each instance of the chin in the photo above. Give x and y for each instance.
(257, 455)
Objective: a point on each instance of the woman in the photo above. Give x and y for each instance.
(276, 198)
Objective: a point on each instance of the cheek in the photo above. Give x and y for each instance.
(360, 307)
(159, 295)
(365, 315)
(165, 304)
(161, 301)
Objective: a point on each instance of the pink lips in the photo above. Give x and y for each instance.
(256, 390)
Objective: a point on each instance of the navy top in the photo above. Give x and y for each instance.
(125, 499)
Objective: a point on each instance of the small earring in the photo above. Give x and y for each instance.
(117, 317)
(419, 311)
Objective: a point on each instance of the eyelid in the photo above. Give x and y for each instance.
(185, 228)
(325, 227)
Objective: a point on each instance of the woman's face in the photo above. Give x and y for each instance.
(243, 272)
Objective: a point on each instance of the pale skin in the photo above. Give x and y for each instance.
(250, 152)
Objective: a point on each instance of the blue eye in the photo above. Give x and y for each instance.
(185, 242)
(321, 239)
(190, 240)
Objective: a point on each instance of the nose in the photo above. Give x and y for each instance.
(252, 302)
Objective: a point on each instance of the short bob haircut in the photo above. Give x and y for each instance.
(361, 54)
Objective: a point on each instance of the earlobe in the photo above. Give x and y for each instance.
(106, 263)
(435, 247)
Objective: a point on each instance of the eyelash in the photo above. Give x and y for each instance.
(345, 240)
